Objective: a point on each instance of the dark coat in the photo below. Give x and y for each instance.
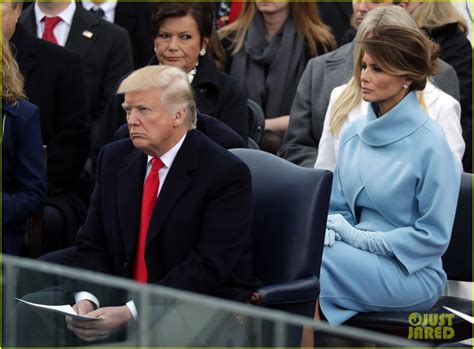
(24, 177)
(216, 130)
(336, 15)
(456, 50)
(217, 94)
(106, 56)
(53, 82)
(198, 239)
(135, 17)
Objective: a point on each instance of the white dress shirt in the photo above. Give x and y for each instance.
(108, 7)
(167, 159)
(61, 30)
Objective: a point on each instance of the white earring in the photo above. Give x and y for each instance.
(202, 52)
(405, 86)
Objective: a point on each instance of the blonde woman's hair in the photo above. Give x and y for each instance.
(12, 80)
(176, 92)
(309, 27)
(435, 14)
(375, 20)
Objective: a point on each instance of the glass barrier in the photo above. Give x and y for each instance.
(165, 317)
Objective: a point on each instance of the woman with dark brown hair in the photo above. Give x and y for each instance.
(183, 35)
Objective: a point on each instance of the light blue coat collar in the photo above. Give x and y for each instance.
(401, 121)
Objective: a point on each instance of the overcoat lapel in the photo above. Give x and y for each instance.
(177, 182)
(29, 21)
(130, 180)
(82, 34)
(25, 50)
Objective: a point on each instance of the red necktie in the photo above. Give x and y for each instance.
(49, 24)
(150, 192)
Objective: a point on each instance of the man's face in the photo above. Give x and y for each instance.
(153, 129)
(361, 8)
(10, 15)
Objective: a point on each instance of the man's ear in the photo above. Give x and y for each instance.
(180, 117)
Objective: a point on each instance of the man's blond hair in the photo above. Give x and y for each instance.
(176, 92)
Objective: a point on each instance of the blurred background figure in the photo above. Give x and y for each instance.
(104, 49)
(465, 8)
(54, 82)
(183, 35)
(267, 49)
(23, 172)
(447, 27)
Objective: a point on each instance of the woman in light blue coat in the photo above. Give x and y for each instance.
(395, 187)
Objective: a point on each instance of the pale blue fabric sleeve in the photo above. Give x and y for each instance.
(425, 241)
(372, 241)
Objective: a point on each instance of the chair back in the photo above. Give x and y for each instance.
(256, 118)
(457, 261)
(290, 211)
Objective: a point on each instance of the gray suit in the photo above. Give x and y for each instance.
(321, 76)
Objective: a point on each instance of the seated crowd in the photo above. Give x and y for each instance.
(116, 135)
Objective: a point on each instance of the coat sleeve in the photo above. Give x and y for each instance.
(91, 242)
(226, 219)
(299, 146)
(233, 110)
(425, 241)
(29, 170)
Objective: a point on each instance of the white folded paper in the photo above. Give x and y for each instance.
(60, 309)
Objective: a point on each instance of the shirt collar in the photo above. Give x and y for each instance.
(66, 15)
(168, 157)
(107, 6)
(400, 121)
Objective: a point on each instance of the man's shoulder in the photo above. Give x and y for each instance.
(109, 30)
(117, 150)
(341, 53)
(208, 151)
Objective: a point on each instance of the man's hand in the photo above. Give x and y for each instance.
(83, 307)
(111, 319)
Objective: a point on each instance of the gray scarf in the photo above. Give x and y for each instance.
(270, 71)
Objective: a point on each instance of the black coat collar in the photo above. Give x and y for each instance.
(206, 72)
(130, 188)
